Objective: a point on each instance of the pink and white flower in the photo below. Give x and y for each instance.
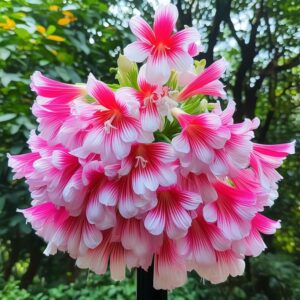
(169, 267)
(162, 49)
(62, 231)
(54, 103)
(150, 166)
(199, 139)
(55, 92)
(113, 123)
(171, 214)
(253, 244)
(232, 211)
(227, 263)
(206, 83)
(155, 103)
(202, 241)
(147, 167)
(266, 158)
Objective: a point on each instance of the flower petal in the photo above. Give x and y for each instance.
(164, 21)
(186, 37)
(158, 70)
(212, 73)
(155, 221)
(141, 29)
(181, 143)
(100, 91)
(180, 60)
(150, 118)
(137, 51)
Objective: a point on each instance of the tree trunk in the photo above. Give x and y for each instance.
(145, 290)
(35, 258)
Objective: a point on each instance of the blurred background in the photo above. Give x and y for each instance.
(67, 39)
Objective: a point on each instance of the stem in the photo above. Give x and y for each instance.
(145, 289)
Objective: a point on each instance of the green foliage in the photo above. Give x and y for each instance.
(11, 291)
(127, 72)
(92, 287)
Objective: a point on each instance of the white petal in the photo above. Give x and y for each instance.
(137, 51)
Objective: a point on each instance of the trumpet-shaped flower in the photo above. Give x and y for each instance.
(113, 122)
(199, 139)
(172, 212)
(155, 103)
(206, 83)
(162, 49)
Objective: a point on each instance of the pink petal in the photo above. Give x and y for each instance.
(212, 73)
(130, 98)
(108, 193)
(145, 86)
(169, 267)
(100, 91)
(203, 152)
(280, 150)
(102, 216)
(141, 29)
(62, 93)
(194, 49)
(215, 89)
(188, 36)
(219, 166)
(61, 159)
(96, 259)
(164, 21)
(92, 237)
(265, 225)
(227, 264)
(129, 132)
(180, 218)
(117, 263)
(198, 244)
(190, 200)
(127, 204)
(210, 212)
(22, 164)
(119, 147)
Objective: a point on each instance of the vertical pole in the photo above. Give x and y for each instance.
(145, 289)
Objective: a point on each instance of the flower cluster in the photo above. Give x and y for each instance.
(150, 171)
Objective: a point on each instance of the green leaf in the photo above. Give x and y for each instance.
(44, 62)
(6, 78)
(7, 117)
(200, 65)
(192, 106)
(22, 33)
(80, 45)
(65, 57)
(62, 72)
(51, 29)
(127, 72)
(4, 53)
(16, 220)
